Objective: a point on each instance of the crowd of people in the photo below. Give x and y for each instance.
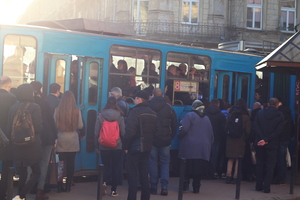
(145, 133)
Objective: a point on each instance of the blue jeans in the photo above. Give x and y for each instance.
(159, 155)
(44, 162)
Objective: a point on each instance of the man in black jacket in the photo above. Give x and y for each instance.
(140, 128)
(7, 100)
(268, 126)
(284, 140)
(218, 121)
(166, 130)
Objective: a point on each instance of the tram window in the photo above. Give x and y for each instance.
(134, 69)
(60, 74)
(93, 83)
(90, 123)
(216, 86)
(19, 59)
(244, 92)
(226, 84)
(187, 68)
(46, 73)
(76, 76)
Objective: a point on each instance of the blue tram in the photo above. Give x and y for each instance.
(90, 65)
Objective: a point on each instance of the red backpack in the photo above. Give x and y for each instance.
(109, 133)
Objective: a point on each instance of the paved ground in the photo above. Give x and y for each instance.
(210, 190)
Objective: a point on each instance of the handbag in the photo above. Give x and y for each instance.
(3, 139)
(53, 169)
(288, 158)
(253, 157)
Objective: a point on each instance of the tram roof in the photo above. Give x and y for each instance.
(88, 25)
(284, 59)
(60, 27)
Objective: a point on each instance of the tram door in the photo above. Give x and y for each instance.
(89, 101)
(83, 79)
(231, 86)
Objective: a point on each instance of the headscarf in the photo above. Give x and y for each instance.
(198, 107)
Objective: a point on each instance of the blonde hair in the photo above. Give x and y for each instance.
(67, 113)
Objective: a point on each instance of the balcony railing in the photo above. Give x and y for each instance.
(169, 30)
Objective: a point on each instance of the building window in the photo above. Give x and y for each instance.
(254, 14)
(190, 11)
(140, 10)
(288, 15)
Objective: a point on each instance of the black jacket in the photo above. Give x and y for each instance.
(288, 124)
(218, 122)
(49, 132)
(167, 122)
(140, 128)
(30, 154)
(6, 101)
(268, 126)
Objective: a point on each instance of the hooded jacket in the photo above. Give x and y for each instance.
(268, 126)
(167, 122)
(109, 115)
(218, 121)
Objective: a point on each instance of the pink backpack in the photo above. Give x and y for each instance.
(109, 133)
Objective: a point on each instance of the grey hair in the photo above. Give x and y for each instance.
(116, 92)
(4, 80)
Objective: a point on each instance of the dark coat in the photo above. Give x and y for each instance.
(123, 106)
(53, 102)
(167, 122)
(288, 124)
(196, 144)
(235, 147)
(109, 115)
(28, 155)
(49, 132)
(7, 100)
(140, 127)
(268, 126)
(218, 121)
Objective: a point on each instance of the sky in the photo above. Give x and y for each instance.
(10, 10)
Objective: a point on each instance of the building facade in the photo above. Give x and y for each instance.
(264, 24)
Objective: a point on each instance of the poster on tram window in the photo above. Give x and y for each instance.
(185, 86)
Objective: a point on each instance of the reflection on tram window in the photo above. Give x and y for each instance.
(187, 68)
(19, 59)
(93, 83)
(133, 69)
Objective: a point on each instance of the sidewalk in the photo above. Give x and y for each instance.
(210, 190)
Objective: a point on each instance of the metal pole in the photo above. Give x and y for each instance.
(10, 183)
(239, 177)
(292, 182)
(181, 178)
(100, 182)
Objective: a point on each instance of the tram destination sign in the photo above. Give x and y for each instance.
(185, 86)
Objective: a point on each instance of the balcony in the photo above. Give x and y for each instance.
(185, 32)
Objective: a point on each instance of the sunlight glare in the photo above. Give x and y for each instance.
(10, 10)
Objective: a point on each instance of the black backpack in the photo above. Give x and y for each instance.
(22, 128)
(235, 126)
